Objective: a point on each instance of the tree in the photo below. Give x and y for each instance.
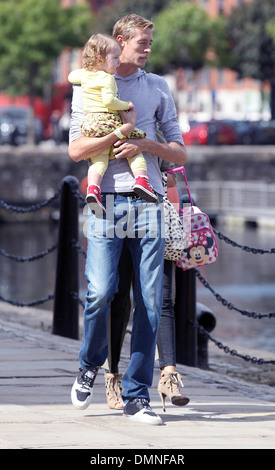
(182, 37)
(250, 43)
(34, 33)
(270, 29)
(109, 14)
(183, 31)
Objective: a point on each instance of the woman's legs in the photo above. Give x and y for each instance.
(166, 333)
(170, 380)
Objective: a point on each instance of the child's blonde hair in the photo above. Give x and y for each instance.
(99, 45)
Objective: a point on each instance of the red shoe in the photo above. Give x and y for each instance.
(94, 200)
(143, 188)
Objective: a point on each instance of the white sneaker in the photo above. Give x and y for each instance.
(82, 389)
(139, 411)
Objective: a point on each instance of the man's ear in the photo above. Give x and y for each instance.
(121, 40)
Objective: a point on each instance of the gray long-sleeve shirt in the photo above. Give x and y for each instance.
(154, 104)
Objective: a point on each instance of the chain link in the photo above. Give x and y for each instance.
(78, 247)
(232, 352)
(75, 296)
(27, 304)
(229, 305)
(80, 196)
(246, 248)
(31, 208)
(23, 259)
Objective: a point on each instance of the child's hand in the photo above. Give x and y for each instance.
(129, 116)
(131, 105)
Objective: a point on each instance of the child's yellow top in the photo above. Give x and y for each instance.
(99, 91)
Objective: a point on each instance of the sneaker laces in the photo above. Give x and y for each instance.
(145, 403)
(87, 381)
(147, 181)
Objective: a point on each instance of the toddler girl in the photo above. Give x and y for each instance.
(101, 115)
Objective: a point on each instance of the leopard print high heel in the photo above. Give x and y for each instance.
(113, 390)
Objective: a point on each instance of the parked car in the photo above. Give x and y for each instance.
(14, 125)
(210, 133)
(59, 127)
(195, 134)
(264, 133)
(245, 131)
(64, 127)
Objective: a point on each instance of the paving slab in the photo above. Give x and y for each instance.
(37, 372)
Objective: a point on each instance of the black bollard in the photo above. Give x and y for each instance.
(207, 320)
(65, 316)
(185, 317)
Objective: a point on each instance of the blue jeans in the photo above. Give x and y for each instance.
(143, 226)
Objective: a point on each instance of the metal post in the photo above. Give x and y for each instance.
(185, 317)
(65, 316)
(207, 320)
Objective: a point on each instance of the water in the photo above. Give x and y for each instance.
(28, 281)
(247, 280)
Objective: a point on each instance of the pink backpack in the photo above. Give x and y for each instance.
(202, 246)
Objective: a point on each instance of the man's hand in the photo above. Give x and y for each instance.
(127, 148)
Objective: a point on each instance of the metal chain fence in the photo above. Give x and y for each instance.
(76, 245)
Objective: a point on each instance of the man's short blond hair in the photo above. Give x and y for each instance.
(127, 25)
(99, 45)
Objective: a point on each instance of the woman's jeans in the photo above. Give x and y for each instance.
(166, 335)
(143, 226)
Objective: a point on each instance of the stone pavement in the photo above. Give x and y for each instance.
(37, 372)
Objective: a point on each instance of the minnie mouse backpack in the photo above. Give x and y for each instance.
(201, 243)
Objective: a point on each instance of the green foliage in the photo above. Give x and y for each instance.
(32, 34)
(219, 45)
(270, 29)
(250, 44)
(183, 32)
(108, 15)
(182, 35)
